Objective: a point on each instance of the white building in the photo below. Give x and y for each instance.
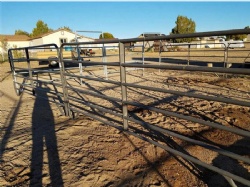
(14, 41)
(56, 37)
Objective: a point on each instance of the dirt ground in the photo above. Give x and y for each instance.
(41, 147)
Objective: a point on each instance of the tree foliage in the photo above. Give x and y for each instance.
(106, 35)
(237, 36)
(4, 44)
(66, 28)
(21, 32)
(41, 28)
(184, 25)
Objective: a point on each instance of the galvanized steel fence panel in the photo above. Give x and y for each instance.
(77, 90)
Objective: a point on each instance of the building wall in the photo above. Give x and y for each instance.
(37, 41)
(12, 44)
(58, 38)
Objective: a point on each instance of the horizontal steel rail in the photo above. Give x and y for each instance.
(196, 142)
(94, 79)
(94, 94)
(192, 159)
(36, 47)
(190, 35)
(243, 133)
(100, 108)
(166, 37)
(205, 97)
(54, 71)
(28, 79)
(87, 63)
(192, 68)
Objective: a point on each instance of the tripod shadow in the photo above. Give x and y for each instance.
(44, 141)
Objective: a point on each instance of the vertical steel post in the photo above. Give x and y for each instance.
(10, 57)
(81, 72)
(123, 88)
(12, 67)
(104, 60)
(64, 82)
(29, 67)
(78, 57)
(80, 64)
(77, 48)
(143, 49)
(225, 56)
(188, 54)
(228, 65)
(160, 56)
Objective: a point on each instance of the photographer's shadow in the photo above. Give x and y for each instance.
(44, 141)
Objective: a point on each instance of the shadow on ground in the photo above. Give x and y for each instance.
(44, 142)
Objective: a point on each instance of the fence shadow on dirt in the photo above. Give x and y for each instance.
(9, 124)
(210, 178)
(240, 147)
(153, 166)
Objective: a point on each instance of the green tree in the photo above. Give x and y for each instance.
(21, 32)
(41, 28)
(66, 28)
(184, 25)
(237, 36)
(106, 35)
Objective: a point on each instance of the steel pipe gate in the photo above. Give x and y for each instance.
(106, 91)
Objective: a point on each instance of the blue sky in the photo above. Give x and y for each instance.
(123, 19)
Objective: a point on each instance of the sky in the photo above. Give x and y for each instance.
(123, 19)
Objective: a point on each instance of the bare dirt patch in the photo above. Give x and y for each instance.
(40, 147)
